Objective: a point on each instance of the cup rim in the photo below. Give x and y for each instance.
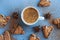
(23, 12)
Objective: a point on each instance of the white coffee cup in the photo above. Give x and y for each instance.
(39, 17)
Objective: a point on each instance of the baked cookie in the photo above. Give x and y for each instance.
(36, 29)
(47, 30)
(15, 15)
(1, 37)
(7, 35)
(56, 22)
(13, 27)
(44, 3)
(33, 37)
(3, 20)
(19, 30)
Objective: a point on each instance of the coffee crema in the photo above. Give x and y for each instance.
(30, 15)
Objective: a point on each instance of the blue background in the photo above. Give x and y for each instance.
(9, 6)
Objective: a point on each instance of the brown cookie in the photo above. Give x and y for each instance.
(44, 3)
(58, 26)
(1, 37)
(56, 22)
(15, 15)
(7, 36)
(47, 30)
(33, 37)
(19, 30)
(3, 20)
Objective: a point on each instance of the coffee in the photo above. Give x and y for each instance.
(30, 15)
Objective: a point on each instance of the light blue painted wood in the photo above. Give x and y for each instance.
(9, 6)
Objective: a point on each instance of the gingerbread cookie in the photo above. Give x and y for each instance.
(33, 37)
(7, 36)
(56, 22)
(44, 3)
(15, 15)
(3, 20)
(47, 15)
(47, 30)
(19, 30)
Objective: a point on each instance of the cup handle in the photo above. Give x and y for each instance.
(41, 18)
